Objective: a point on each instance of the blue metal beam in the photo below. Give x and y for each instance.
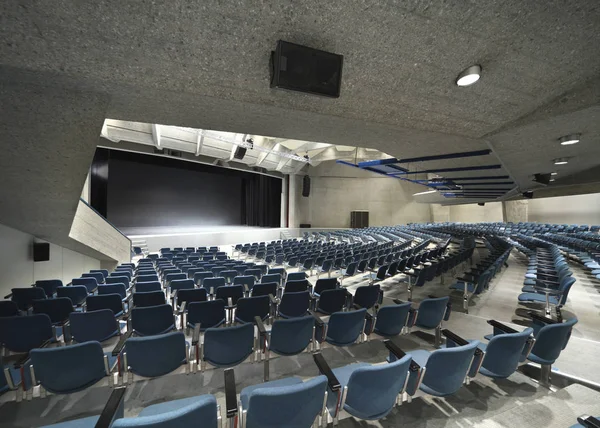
(464, 168)
(487, 184)
(485, 177)
(425, 158)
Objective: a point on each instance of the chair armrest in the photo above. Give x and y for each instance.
(181, 310)
(196, 334)
(398, 301)
(538, 317)
(262, 331)
(230, 394)
(119, 347)
(324, 368)
(113, 408)
(318, 321)
(399, 353)
(500, 326)
(272, 299)
(589, 421)
(469, 281)
(454, 337)
(8, 296)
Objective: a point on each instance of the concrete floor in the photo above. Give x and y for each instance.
(481, 400)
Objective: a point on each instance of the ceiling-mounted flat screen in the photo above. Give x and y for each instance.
(304, 69)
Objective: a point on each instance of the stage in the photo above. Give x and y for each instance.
(156, 238)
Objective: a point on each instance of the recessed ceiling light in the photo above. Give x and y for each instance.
(553, 173)
(567, 140)
(552, 179)
(561, 161)
(469, 76)
(425, 193)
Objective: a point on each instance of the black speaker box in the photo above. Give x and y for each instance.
(304, 225)
(306, 186)
(240, 152)
(359, 219)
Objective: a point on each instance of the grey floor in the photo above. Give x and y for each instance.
(475, 404)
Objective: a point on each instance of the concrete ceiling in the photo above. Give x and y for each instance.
(205, 65)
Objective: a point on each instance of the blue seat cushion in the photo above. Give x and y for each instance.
(89, 422)
(247, 392)
(169, 406)
(535, 297)
(461, 287)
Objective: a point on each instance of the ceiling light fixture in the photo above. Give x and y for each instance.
(552, 179)
(561, 161)
(553, 173)
(469, 76)
(567, 140)
(425, 193)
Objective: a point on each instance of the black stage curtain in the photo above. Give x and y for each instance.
(261, 203)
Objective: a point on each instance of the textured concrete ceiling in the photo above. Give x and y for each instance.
(204, 65)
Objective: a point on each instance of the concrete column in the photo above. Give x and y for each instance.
(284, 198)
(293, 222)
(515, 211)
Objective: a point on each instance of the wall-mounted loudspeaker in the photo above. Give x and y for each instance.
(481, 204)
(41, 252)
(528, 194)
(306, 186)
(240, 152)
(359, 219)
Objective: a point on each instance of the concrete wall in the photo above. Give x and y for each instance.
(17, 268)
(92, 230)
(468, 213)
(578, 209)
(336, 190)
(515, 211)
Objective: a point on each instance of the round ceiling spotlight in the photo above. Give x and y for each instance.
(469, 76)
(553, 173)
(567, 140)
(552, 179)
(561, 161)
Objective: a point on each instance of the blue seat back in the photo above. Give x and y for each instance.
(291, 336)
(151, 320)
(145, 287)
(96, 275)
(68, 369)
(213, 283)
(294, 304)
(228, 346)
(296, 286)
(104, 272)
(271, 277)
(49, 285)
(325, 284)
(150, 298)
(96, 326)
(332, 300)
(447, 369)
(57, 309)
(431, 312)
(550, 340)
(209, 314)
(77, 293)
(105, 301)
(21, 334)
(234, 292)
(250, 307)
(157, 355)
(503, 353)
(191, 295)
(8, 308)
(247, 280)
(203, 408)
(373, 390)
(344, 328)
(264, 289)
(279, 406)
(182, 284)
(90, 283)
(118, 288)
(24, 297)
(118, 280)
(295, 276)
(366, 296)
(391, 319)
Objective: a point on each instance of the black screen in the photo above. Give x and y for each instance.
(305, 69)
(137, 190)
(41, 252)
